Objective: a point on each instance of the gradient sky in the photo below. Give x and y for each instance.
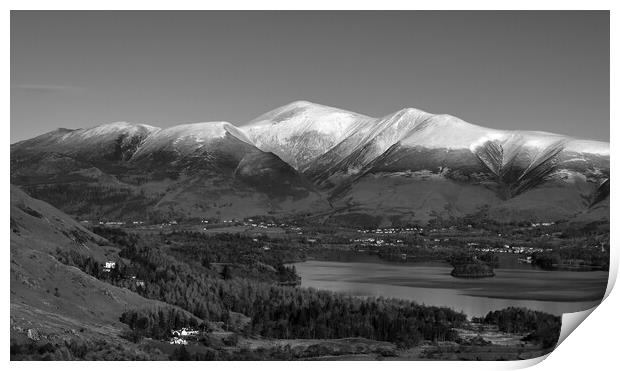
(508, 70)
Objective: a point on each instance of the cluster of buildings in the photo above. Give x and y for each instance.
(510, 249)
(183, 335)
(111, 222)
(390, 230)
(211, 221)
(108, 266)
(370, 241)
(542, 224)
(168, 224)
(249, 223)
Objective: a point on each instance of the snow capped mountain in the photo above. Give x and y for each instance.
(301, 131)
(408, 165)
(124, 171)
(415, 162)
(384, 142)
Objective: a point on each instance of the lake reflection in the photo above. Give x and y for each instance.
(554, 292)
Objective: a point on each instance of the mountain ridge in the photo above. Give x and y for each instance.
(302, 153)
(286, 112)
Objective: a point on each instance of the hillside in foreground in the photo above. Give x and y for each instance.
(56, 303)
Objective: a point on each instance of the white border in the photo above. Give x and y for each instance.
(594, 344)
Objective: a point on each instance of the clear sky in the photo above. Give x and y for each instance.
(508, 70)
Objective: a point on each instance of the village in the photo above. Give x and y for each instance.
(412, 243)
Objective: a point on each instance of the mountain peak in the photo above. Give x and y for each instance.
(186, 138)
(120, 125)
(301, 131)
(115, 128)
(301, 103)
(300, 110)
(410, 111)
(62, 130)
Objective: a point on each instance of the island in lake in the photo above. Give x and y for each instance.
(471, 267)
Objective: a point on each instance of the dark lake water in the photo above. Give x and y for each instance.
(554, 292)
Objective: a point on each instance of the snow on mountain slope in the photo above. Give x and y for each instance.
(412, 162)
(369, 140)
(74, 139)
(301, 131)
(414, 129)
(588, 146)
(446, 131)
(219, 173)
(109, 142)
(109, 130)
(185, 139)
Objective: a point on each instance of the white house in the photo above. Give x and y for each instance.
(177, 340)
(108, 266)
(185, 331)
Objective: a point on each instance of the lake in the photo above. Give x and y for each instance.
(553, 292)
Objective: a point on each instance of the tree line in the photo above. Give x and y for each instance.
(156, 324)
(537, 326)
(283, 312)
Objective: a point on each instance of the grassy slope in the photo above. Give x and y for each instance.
(82, 305)
(418, 196)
